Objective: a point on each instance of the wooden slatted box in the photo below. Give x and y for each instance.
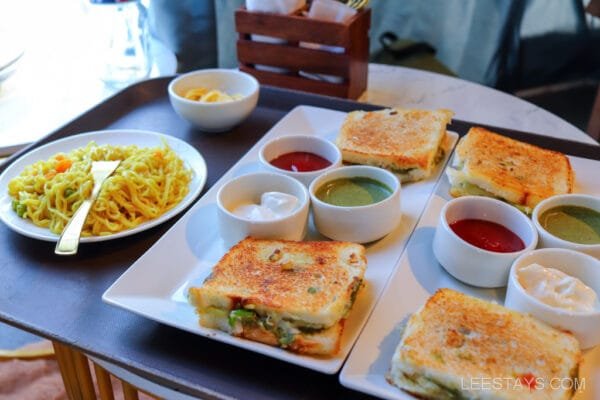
(351, 64)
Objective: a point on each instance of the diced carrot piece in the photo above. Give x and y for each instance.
(50, 174)
(63, 165)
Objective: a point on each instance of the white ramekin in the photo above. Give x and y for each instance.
(220, 116)
(585, 326)
(248, 189)
(305, 143)
(469, 263)
(549, 240)
(361, 224)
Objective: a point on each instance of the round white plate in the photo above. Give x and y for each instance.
(190, 156)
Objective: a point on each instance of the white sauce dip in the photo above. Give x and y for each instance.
(557, 289)
(272, 205)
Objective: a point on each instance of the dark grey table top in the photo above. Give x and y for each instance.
(60, 298)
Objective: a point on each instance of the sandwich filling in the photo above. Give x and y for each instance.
(408, 174)
(422, 384)
(286, 330)
(462, 186)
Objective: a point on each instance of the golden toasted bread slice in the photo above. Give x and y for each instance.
(489, 164)
(408, 142)
(460, 347)
(294, 294)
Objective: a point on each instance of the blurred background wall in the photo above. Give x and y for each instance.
(547, 51)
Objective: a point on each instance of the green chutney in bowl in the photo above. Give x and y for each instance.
(353, 191)
(573, 223)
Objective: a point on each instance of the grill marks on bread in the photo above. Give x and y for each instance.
(299, 293)
(301, 277)
(517, 172)
(455, 337)
(397, 139)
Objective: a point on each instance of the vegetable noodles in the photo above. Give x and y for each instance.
(147, 183)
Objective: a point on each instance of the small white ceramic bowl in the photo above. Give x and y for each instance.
(549, 240)
(248, 189)
(311, 144)
(585, 326)
(361, 224)
(214, 117)
(469, 263)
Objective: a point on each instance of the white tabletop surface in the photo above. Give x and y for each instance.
(405, 87)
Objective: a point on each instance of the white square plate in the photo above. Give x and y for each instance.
(417, 276)
(155, 286)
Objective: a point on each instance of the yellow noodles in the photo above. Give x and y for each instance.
(205, 95)
(147, 183)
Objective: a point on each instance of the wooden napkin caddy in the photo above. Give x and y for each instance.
(348, 65)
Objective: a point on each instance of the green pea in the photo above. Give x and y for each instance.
(21, 209)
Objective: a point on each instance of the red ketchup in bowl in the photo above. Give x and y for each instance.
(487, 235)
(300, 161)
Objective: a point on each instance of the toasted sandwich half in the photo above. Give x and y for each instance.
(295, 295)
(407, 142)
(488, 164)
(460, 347)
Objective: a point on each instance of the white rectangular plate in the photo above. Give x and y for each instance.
(155, 286)
(417, 276)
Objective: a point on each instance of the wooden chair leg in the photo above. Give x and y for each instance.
(129, 391)
(67, 371)
(75, 371)
(104, 384)
(82, 368)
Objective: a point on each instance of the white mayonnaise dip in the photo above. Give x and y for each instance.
(557, 289)
(272, 205)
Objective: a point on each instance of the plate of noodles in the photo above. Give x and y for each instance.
(159, 176)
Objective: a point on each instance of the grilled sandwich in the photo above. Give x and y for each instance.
(489, 164)
(460, 347)
(295, 295)
(407, 142)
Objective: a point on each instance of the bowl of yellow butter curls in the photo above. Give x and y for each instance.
(214, 100)
(206, 95)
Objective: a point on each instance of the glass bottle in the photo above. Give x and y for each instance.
(121, 31)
